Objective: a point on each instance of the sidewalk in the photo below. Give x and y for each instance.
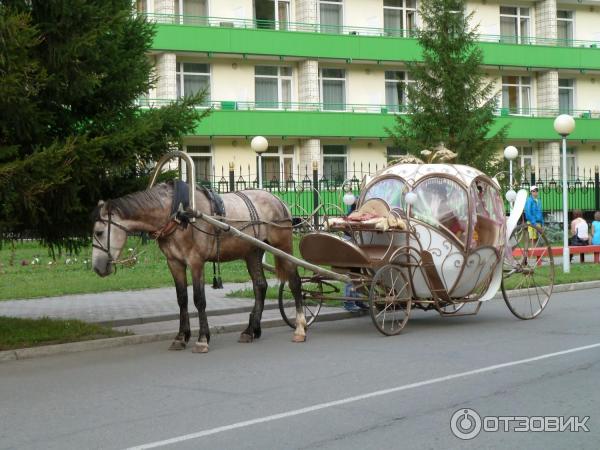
(154, 311)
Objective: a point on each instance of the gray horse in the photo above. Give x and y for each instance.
(258, 213)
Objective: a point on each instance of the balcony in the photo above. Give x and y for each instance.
(220, 35)
(362, 121)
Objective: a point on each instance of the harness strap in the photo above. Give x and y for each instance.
(254, 218)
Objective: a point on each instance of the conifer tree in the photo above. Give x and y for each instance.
(70, 130)
(451, 102)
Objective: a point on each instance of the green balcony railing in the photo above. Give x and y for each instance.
(233, 105)
(228, 22)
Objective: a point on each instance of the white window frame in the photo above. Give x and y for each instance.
(518, 16)
(332, 2)
(277, 22)
(336, 155)
(570, 20)
(571, 163)
(195, 154)
(405, 81)
(520, 84)
(180, 73)
(397, 152)
(567, 88)
(404, 11)
(523, 158)
(281, 158)
(179, 5)
(344, 100)
(280, 78)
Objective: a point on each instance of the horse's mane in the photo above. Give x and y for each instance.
(130, 205)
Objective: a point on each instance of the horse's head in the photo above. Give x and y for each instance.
(108, 238)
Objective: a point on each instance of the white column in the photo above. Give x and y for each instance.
(306, 11)
(310, 150)
(545, 19)
(166, 67)
(164, 6)
(547, 99)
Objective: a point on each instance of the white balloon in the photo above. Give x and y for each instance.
(511, 195)
(349, 198)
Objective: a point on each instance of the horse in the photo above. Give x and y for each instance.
(190, 245)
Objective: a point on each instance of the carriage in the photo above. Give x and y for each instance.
(429, 237)
(422, 236)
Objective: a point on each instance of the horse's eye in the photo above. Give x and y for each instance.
(98, 233)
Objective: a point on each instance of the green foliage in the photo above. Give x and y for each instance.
(70, 131)
(451, 101)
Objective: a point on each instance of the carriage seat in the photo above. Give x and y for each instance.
(331, 250)
(487, 231)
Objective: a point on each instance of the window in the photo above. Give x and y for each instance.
(514, 24)
(399, 17)
(193, 78)
(141, 6)
(396, 92)
(272, 86)
(334, 162)
(191, 11)
(564, 27)
(202, 157)
(571, 163)
(393, 153)
(566, 95)
(525, 162)
(516, 94)
(272, 14)
(331, 16)
(333, 89)
(277, 165)
(389, 189)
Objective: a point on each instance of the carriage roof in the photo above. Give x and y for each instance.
(412, 173)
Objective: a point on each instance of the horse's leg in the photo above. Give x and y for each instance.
(179, 276)
(295, 285)
(200, 301)
(259, 283)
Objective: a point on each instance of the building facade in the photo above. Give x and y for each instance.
(322, 79)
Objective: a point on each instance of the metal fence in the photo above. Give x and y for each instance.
(311, 193)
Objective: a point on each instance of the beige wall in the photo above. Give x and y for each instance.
(238, 9)
(587, 92)
(361, 13)
(486, 16)
(587, 21)
(365, 85)
(588, 156)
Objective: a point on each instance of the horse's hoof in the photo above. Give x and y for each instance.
(297, 338)
(200, 347)
(177, 345)
(245, 338)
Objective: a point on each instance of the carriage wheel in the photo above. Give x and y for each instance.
(530, 269)
(312, 292)
(390, 300)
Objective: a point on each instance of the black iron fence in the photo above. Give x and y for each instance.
(310, 192)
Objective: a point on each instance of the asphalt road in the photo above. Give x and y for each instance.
(347, 387)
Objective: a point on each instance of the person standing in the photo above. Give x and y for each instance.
(596, 229)
(534, 214)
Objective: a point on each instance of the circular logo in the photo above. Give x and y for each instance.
(465, 424)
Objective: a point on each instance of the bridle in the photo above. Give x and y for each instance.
(97, 244)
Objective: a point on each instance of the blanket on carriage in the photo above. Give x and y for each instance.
(374, 213)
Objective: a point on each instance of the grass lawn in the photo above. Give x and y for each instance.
(21, 333)
(33, 273)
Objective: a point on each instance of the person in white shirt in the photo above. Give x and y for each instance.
(579, 231)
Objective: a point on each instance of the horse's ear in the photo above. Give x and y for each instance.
(100, 203)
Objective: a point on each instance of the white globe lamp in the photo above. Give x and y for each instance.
(564, 125)
(260, 145)
(511, 152)
(349, 199)
(511, 196)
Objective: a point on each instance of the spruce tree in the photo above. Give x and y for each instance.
(70, 130)
(451, 102)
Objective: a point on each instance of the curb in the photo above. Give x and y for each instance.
(72, 347)
(98, 344)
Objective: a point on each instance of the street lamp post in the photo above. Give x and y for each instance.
(564, 125)
(510, 153)
(259, 144)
